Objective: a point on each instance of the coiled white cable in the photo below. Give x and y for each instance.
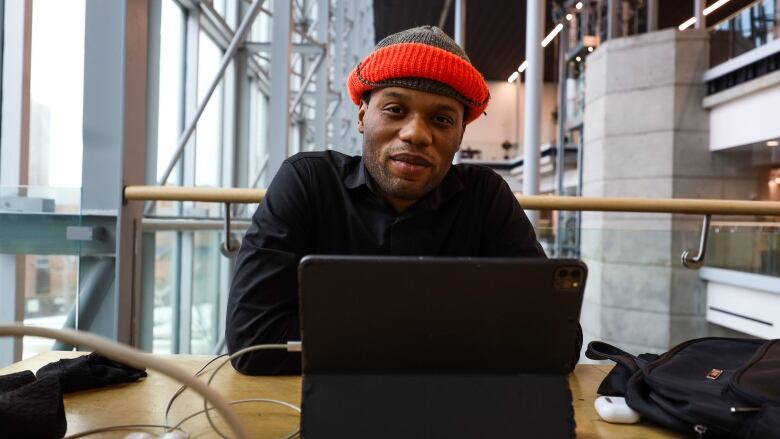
(135, 358)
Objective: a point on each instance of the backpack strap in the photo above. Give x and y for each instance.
(598, 350)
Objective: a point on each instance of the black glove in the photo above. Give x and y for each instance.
(32, 408)
(89, 372)
(15, 380)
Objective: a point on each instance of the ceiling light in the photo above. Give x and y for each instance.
(688, 23)
(523, 66)
(773, 143)
(578, 5)
(569, 17)
(590, 49)
(513, 77)
(552, 35)
(707, 11)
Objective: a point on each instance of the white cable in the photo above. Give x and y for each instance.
(289, 346)
(183, 387)
(245, 401)
(131, 427)
(135, 358)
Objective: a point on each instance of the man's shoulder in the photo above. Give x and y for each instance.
(471, 175)
(321, 158)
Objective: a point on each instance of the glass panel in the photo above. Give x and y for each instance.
(747, 247)
(208, 163)
(753, 27)
(170, 110)
(56, 93)
(50, 290)
(205, 291)
(166, 273)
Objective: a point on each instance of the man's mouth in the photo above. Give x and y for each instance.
(409, 166)
(411, 159)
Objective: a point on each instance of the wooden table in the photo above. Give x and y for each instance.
(144, 402)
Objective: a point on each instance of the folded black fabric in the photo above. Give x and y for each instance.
(89, 372)
(15, 380)
(33, 410)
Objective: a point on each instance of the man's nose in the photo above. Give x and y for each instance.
(416, 131)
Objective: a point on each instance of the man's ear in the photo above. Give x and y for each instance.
(462, 132)
(361, 115)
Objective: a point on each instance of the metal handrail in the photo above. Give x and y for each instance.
(535, 202)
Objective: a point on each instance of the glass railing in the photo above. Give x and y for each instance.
(638, 294)
(752, 28)
(187, 287)
(747, 247)
(40, 231)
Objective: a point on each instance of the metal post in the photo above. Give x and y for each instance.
(698, 12)
(533, 100)
(322, 84)
(652, 15)
(612, 19)
(460, 23)
(460, 38)
(279, 109)
(560, 163)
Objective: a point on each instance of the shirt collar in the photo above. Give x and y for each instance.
(449, 186)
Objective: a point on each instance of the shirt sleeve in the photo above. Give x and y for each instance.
(263, 302)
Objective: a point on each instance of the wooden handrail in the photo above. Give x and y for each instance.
(536, 202)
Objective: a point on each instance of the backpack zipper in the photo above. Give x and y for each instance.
(700, 430)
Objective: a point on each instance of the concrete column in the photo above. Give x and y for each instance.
(533, 99)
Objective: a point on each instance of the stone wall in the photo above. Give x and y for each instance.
(646, 135)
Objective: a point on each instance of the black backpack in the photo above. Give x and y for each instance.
(713, 387)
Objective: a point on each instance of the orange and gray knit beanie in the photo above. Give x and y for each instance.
(426, 59)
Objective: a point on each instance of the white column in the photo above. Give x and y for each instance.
(698, 12)
(279, 111)
(533, 99)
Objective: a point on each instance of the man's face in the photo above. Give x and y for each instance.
(409, 140)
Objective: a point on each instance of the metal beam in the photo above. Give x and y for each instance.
(303, 48)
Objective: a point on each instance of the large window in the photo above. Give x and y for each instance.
(56, 93)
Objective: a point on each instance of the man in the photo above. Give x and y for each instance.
(416, 93)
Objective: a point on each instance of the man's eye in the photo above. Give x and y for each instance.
(443, 120)
(394, 110)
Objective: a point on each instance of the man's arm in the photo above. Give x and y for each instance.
(263, 303)
(515, 237)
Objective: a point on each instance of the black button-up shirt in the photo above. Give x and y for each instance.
(327, 203)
